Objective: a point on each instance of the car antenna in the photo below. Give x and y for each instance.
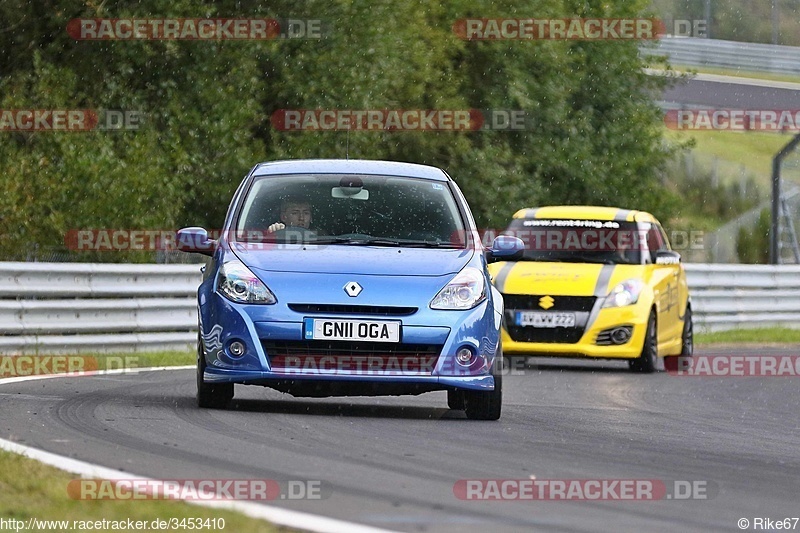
(347, 145)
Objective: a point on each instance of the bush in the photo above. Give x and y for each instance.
(752, 244)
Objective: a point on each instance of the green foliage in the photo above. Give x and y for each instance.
(752, 244)
(706, 196)
(198, 106)
(596, 135)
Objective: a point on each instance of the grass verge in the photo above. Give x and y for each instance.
(30, 489)
(734, 152)
(144, 359)
(759, 336)
(737, 73)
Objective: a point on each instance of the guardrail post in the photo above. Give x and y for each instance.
(774, 238)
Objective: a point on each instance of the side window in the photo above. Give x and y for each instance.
(655, 241)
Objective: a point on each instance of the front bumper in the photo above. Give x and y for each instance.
(276, 350)
(635, 316)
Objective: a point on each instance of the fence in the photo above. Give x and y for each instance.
(52, 308)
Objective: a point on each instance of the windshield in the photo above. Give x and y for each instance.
(579, 241)
(350, 210)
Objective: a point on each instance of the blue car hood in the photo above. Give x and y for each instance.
(353, 259)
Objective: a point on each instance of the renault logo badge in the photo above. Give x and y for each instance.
(352, 289)
(546, 302)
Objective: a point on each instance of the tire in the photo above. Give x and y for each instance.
(486, 405)
(647, 361)
(456, 400)
(216, 396)
(687, 342)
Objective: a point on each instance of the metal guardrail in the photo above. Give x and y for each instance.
(697, 52)
(79, 307)
(744, 296)
(49, 308)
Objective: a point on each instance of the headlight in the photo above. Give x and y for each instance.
(625, 293)
(239, 285)
(464, 291)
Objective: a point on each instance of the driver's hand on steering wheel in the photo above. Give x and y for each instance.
(275, 227)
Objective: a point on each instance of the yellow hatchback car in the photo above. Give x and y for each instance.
(598, 282)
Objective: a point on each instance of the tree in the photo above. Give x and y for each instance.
(594, 135)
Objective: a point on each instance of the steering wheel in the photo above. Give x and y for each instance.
(295, 234)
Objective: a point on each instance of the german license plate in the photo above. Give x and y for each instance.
(351, 330)
(538, 319)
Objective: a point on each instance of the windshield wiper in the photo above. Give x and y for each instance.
(380, 242)
(430, 244)
(355, 240)
(336, 240)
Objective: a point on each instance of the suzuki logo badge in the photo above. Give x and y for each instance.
(546, 302)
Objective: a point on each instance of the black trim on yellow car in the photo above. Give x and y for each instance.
(500, 280)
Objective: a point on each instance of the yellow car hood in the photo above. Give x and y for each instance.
(573, 279)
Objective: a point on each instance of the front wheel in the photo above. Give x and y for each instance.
(216, 396)
(687, 342)
(485, 405)
(456, 400)
(687, 345)
(648, 359)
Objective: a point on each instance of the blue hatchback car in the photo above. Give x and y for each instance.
(350, 278)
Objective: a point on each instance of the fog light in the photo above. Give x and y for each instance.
(236, 348)
(621, 335)
(464, 356)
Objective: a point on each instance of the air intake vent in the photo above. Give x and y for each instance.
(353, 309)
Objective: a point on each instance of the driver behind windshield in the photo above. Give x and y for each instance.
(295, 212)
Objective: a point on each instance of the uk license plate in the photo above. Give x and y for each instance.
(538, 319)
(351, 330)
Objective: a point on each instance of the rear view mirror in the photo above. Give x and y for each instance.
(350, 192)
(350, 187)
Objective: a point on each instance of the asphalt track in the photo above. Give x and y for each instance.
(737, 94)
(393, 462)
